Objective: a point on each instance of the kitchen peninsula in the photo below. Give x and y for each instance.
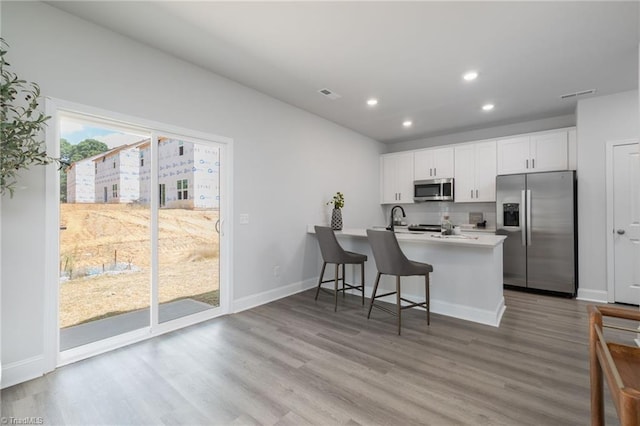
(466, 281)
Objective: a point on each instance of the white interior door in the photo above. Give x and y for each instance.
(626, 223)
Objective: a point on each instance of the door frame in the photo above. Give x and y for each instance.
(54, 108)
(610, 145)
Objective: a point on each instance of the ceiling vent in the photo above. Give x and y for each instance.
(576, 94)
(329, 94)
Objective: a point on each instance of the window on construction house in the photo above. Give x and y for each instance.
(96, 167)
(114, 190)
(182, 189)
(141, 158)
(180, 148)
(114, 164)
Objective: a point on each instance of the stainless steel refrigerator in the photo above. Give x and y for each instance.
(537, 213)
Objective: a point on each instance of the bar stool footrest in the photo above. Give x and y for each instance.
(384, 308)
(383, 295)
(413, 304)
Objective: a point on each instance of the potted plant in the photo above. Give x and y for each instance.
(336, 214)
(22, 126)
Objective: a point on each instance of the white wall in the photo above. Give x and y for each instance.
(599, 120)
(487, 133)
(287, 163)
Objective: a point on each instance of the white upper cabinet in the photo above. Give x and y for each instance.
(513, 155)
(475, 165)
(549, 151)
(434, 163)
(572, 150)
(396, 178)
(465, 179)
(475, 172)
(486, 170)
(539, 152)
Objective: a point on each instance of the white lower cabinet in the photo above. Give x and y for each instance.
(396, 178)
(475, 172)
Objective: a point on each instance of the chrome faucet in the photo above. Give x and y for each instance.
(393, 209)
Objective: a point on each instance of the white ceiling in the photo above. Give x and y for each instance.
(409, 55)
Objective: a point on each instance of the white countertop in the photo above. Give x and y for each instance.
(487, 230)
(468, 240)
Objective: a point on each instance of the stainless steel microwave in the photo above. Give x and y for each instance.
(433, 190)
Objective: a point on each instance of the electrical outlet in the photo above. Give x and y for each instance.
(276, 271)
(244, 219)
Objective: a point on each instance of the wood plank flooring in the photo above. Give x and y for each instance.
(296, 362)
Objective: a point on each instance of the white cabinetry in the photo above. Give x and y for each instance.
(549, 151)
(513, 155)
(433, 163)
(539, 152)
(396, 178)
(475, 172)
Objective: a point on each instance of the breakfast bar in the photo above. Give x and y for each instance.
(466, 281)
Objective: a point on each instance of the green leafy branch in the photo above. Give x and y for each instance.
(21, 127)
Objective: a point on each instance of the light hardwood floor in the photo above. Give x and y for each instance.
(295, 362)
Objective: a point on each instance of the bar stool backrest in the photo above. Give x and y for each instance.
(332, 251)
(389, 257)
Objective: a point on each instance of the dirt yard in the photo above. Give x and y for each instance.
(105, 249)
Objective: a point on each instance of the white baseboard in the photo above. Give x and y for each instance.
(481, 316)
(254, 300)
(588, 295)
(467, 313)
(22, 371)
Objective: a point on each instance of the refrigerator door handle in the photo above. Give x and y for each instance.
(528, 217)
(522, 223)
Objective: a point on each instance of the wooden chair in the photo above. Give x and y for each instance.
(620, 364)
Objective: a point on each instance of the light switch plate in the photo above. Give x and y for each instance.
(244, 218)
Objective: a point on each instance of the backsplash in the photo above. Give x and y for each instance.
(432, 212)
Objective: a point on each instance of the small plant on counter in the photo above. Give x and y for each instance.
(337, 201)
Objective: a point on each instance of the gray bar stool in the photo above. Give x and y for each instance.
(332, 252)
(390, 260)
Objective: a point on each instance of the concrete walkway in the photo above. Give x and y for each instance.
(94, 331)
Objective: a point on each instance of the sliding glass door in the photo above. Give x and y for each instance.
(105, 245)
(188, 243)
(139, 236)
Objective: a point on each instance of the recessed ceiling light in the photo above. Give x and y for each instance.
(372, 102)
(487, 107)
(407, 123)
(470, 75)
